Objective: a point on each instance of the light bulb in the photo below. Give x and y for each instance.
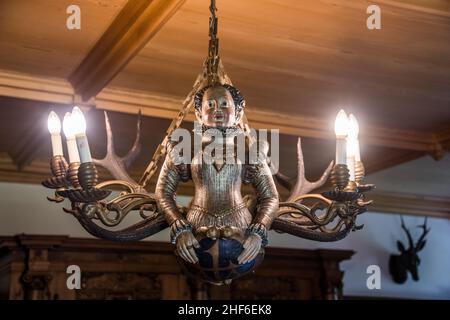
(68, 126)
(78, 122)
(351, 147)
(353, 131)
(341, 124)
(53, 123)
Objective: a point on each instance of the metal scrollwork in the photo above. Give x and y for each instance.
(112, 213)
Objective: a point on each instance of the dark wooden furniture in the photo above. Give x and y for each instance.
(34, 267)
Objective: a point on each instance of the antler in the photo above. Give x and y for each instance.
(302, 185)
(408, 234)
(133, 198)
(117, 165)
(421, 242)
(315, 222)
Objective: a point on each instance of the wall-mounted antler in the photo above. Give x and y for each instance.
(116, 165)
(408, 259)
(302, 185)
(408, 234)
(420, 244)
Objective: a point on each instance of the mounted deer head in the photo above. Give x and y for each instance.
(408, 260)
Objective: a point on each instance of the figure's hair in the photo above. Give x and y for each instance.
(238, 99)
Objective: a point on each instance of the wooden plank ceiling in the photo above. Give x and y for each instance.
(34, 38)
(297, 63)
(310, 58)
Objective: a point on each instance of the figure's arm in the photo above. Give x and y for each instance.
(260, 177)
(166, 188)
(266, 200)
(180, 228)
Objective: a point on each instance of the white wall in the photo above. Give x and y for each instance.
(373, 245)
(24, 209)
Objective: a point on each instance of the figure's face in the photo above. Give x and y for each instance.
(218, 109)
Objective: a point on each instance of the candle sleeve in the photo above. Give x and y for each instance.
(73, 150)
(57, 145)
(341, 151)
(83, 149)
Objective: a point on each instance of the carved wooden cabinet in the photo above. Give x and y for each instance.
(34, 267)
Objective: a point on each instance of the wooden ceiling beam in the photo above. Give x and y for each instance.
(134, 26)
(410, 204)
(23, 86)
(155, 105)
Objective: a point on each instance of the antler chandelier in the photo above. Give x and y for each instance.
(220, 235)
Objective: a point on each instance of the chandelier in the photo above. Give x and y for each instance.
(220, 235)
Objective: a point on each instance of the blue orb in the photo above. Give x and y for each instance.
(217, 260)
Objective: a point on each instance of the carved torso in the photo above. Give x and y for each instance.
(217, 200)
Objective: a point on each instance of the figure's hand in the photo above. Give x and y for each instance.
(186, 243)
(252, 245)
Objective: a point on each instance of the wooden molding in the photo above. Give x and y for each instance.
(442, 143)
(162, 106)
(134, 26)
(149, 270)
(32, 241)
(23, 86)
(410, 204)
(443, 135)
(168, 107)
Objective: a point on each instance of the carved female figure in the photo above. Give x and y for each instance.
(218, 219)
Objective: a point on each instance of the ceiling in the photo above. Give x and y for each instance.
(311, 58)
(296, 62)
(34, 38)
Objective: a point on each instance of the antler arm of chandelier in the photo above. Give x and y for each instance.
(327, 217)
(302, 185)
(116, 165)
(138, 231)
(324, 221)
(90, 203)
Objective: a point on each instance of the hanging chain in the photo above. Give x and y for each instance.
(213, 72)
(176, 122)
(212, 62)
(209, 76)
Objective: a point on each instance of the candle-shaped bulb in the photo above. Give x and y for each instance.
(353, 131)
(341, 124)
(341, 130)
(79, 129)
(68, 126)
(78, 121)
(70, 138)
(351, 147)
(351, 150)
(54, 127)
(53, 123)
(353, 137)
